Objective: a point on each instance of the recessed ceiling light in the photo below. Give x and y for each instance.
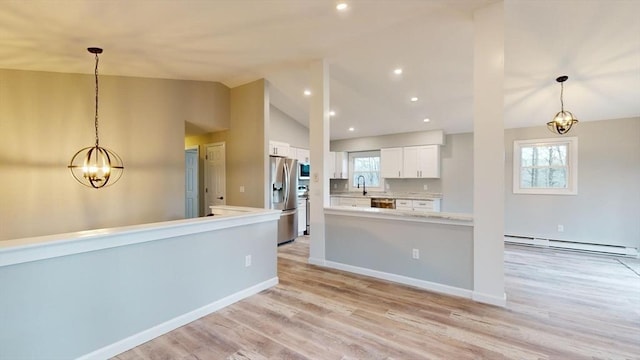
(426, 120)
(414, 99)
(307, 92)
(397, 71)
(332, 113)
(352, 129)
(342, 6)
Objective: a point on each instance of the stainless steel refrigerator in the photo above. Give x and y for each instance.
(284, 187)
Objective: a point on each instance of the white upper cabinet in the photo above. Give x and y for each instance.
(277, 148)
(302, 155)
(421, 161)
(338, 165)
(391, 163)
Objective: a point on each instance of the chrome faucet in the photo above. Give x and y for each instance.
(364, 185)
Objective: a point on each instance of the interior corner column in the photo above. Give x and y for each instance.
(488, 155)
(319, 146)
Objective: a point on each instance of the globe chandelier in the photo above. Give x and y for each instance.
(96, 166)
(564, 120)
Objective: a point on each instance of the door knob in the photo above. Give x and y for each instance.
(221, 198)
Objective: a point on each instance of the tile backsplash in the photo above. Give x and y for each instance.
(413, 185)
(395, 185)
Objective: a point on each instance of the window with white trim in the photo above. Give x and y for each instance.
(545, 166)
(367, 165)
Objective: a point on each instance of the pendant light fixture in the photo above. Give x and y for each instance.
(95, 166)
(564, 120)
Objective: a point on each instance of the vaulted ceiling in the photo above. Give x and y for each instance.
(596, 43)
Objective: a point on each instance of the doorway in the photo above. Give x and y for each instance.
(214, 176)
(191, 203)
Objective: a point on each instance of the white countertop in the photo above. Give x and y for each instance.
(394, 214)
(49, 246)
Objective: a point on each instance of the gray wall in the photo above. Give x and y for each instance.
(606, 209)
(65, 307)
(46, 117)
(446, 251)
(284, 128)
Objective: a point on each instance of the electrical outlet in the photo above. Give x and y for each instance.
(415, 254)
(560, 228)
(426, 187)
(247, 261)
(241, 188)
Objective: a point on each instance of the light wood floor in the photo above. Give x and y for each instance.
(560, 305)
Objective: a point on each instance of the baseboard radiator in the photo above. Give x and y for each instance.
(570, 245)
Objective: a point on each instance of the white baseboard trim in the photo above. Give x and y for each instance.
(423, 284)
(161, 329)
(490, 299)
(317, 261)
(606, 249)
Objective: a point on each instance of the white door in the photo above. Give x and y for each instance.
(215, 175)
(191, 183)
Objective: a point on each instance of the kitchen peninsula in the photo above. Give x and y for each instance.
(430, 250)
(94, 294)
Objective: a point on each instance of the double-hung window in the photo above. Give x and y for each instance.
(545, 166)
(364, 167)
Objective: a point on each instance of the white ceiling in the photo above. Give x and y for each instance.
(596, 43)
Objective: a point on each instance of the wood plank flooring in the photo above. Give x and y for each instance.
(560, 305)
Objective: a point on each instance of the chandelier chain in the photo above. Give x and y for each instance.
(96, 115)
(561, 100)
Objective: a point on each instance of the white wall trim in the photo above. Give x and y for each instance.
(426, 285)
(317, 261)
(151, 333)
(490, 299)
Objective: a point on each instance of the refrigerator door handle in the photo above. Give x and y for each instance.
(287, 181)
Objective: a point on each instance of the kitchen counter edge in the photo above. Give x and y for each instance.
(394, 214)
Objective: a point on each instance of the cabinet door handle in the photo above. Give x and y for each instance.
(417, 173)
(398, 173)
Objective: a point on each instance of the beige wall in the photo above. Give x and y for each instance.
(46, 117)
(210, 99)
(247, 144)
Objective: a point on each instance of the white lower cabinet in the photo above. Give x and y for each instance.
(350, 201)
(335, 201)
(432, 205)
(426, 205)
(403, 204)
